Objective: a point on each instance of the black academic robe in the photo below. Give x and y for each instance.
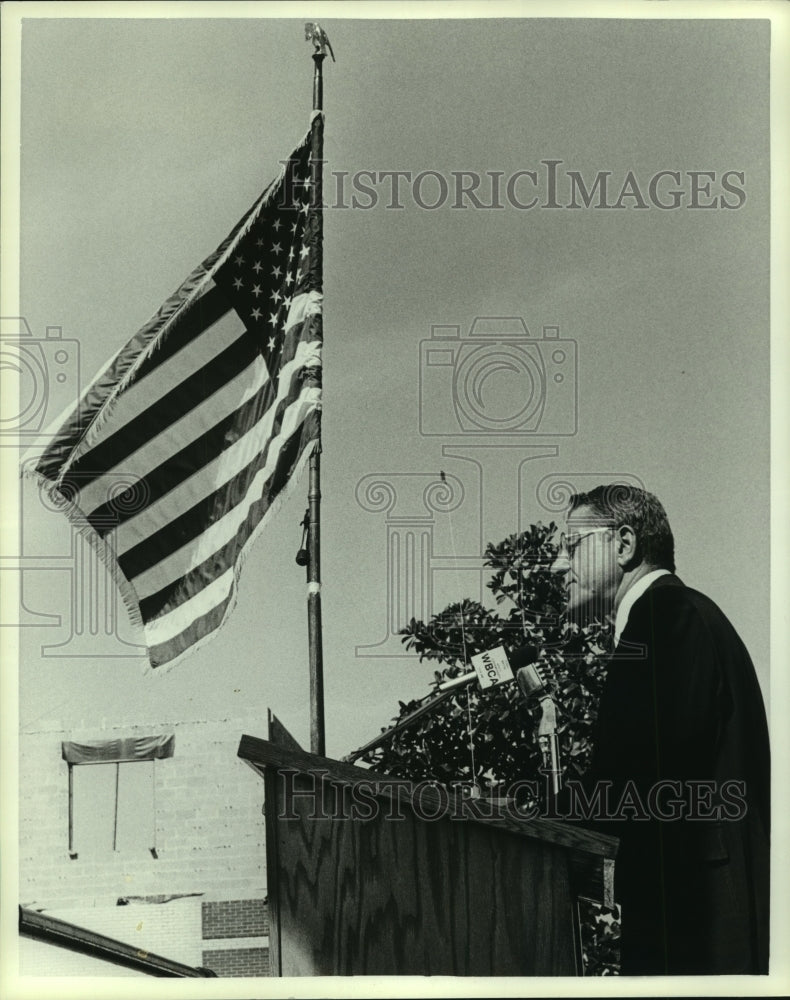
(681, 703)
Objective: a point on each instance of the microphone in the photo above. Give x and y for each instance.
(533, 679)
(522, 657)
(531, 674)
(521, 661)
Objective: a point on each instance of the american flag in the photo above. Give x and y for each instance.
(175, 454)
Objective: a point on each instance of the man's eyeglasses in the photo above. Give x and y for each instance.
(569, 543)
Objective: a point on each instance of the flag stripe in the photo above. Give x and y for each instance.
(194, 452)
(154, 548)
(223, 361)
(174, 456)
(191, 607)
(165, 411)
(166, 652)
(170, 596)
(189, 325)
(148, 386)
(162, 652)
(145, 508)
(167, 459)
(70, 441)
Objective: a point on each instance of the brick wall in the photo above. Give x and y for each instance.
(238, 961)
(209, 826)
(235, 918)
(238, 930)
(209, 833)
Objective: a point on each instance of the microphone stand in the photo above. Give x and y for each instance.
(534, 685)
(549, 743)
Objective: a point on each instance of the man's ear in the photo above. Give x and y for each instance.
(626, 547)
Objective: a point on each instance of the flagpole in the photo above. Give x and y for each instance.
(314, 33)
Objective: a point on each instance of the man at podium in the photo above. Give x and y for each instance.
(681, 750)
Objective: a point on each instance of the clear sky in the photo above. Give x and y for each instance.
(142, 143)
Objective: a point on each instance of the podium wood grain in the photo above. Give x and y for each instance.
(410, 897)
(399, 894)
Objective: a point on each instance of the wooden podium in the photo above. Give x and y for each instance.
(369, 875)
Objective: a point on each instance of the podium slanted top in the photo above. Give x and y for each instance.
(591, 854)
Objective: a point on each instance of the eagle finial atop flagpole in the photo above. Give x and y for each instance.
(313, 32)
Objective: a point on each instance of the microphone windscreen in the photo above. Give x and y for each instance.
(530, 682)
(523, 656)
(526, 665)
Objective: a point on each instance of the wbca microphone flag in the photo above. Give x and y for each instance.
(176, 454)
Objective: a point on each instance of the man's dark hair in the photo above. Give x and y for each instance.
(623, 504)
